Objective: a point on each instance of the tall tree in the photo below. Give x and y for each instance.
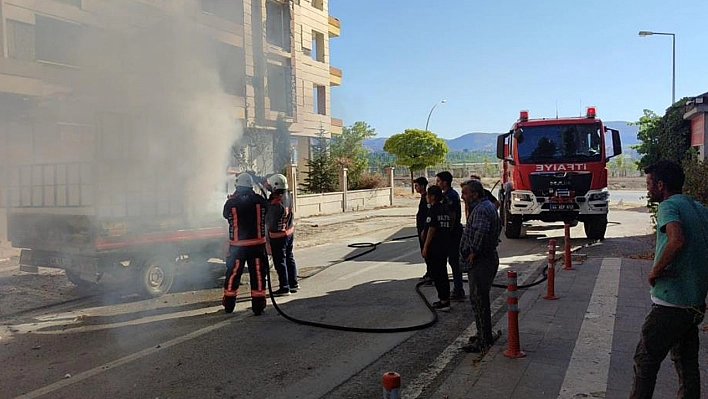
(416, 149)
(347, 150)
(663, 138)
(322, 176)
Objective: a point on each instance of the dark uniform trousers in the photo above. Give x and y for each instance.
(257, 259)
(284, 261)
(437, 269)
(480, 280)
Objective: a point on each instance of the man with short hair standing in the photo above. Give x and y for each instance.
(478, 251)
(420, 185)
(444, 181)
(679, 283)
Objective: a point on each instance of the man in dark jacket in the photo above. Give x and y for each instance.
(420, 185)
(246, 212)
(281, 229)
(444, 181)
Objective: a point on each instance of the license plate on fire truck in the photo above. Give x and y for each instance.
(561, 207)
(55, 261)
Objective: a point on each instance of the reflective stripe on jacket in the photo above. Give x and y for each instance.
(280, 219)
(246, 212)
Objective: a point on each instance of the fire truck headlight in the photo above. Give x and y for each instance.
(517, 197)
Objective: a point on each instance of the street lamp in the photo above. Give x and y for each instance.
(644, 33)
(431, 112)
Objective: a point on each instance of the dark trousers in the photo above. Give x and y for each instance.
(480, 279)
(454, 259)
(421, 242)
(257, 260)
(437, 268)
(668, 329)
(284, 261)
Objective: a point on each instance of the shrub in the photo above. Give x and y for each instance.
(370, 180)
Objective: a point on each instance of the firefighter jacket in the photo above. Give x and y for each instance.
(280, 214)
(246, 212)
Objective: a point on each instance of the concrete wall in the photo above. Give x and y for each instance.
(331, 203)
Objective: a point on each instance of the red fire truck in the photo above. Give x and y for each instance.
(555, 170)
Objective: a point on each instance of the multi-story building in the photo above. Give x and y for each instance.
(100, 74)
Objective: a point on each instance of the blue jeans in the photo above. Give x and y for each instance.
(284, 261)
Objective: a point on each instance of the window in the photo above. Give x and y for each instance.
(318, 50)
(318, 4)
(231, 10)
(20, 40)
(556, 143)
(278, 24)
(280, 88)
(75, 3)
(56, 41)
(232, 64)
(319, 99)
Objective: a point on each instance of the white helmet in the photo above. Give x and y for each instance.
(278, 182)
(244, 180)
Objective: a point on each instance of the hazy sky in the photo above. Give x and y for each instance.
(490, 59)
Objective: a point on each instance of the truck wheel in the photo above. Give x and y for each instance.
(512, 225)
(155, 276)
(76, 279)
(595, 227)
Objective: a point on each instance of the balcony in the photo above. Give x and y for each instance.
(335, 76)
(337, 125)
(334, 27)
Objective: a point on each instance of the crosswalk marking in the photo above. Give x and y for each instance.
(589, 366)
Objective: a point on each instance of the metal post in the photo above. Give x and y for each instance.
(512, 303)
(566, 243)
(551, 271)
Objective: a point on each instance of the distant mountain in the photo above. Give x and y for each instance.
(488, 141)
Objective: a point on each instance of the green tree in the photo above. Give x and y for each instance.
(417, 149)
(347, 150)
(696, 177)
(322, 176)
(663, 138)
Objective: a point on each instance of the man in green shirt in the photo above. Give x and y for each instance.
(679, 281)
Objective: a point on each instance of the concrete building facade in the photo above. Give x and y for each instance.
(274, 54)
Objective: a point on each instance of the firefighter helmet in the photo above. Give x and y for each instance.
(244, 180)
(278, 182)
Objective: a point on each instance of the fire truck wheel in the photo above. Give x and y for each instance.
(155, 276)
(512, 225)
(595, 227)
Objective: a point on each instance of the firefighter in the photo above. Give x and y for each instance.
(246, 212)
(279, 220)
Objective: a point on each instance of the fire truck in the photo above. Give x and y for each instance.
(554, 170)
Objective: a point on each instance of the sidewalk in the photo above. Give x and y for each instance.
(579, 346)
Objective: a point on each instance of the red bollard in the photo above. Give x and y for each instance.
(512, 303)
(551, 271)
(391, 385)
(568, 257)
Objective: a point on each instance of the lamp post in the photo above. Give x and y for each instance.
(431, 112)
(645, 33)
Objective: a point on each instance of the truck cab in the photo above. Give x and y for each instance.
(556, 170)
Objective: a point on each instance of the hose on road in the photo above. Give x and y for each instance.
(372, 247)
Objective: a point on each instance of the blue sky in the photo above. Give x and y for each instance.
(491, 59)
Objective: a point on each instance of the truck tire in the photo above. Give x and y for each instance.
(155, 276)
(595, 227)
(512, 225)
(76, 279)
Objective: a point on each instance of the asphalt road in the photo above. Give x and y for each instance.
(184, 346)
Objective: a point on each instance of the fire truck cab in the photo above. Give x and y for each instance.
(556, 170)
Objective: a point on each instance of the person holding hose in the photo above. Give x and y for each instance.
(281, 229)
(246, 213)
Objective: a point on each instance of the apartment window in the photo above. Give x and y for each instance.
(318, 4)
(75, 3)
(56, 41)
(319, 99)
(318, 44)
(231, 10)
(278, 24)
(280, 89)
(20, 40)
(232, 66)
